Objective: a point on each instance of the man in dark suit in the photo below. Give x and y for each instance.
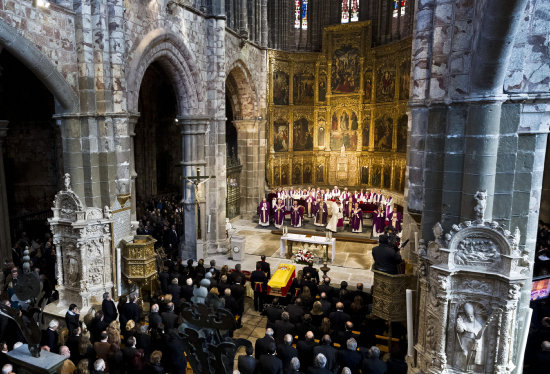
(319, 365)
(305, 350)
(328, 351)
(238, 292)
(223, 284)
(295, 366)
(72, 318)
(312, 271)
(283, 327)
(247, 363)
(373, 364)
(269, 363)
(154, 317)
(264, 266)
(131, 310)
(169, 318)
(214, 271)
(173, 240)
(128, 353)
(175, 289)
(273, 312)
(230, 302)
(187, 290)
(262, 344)
(285, 351)
(326, 305)
(341, 337)
(350, 357)
(339, 318)
(258, 281)
(109, 309)
(366, 297)
(50, 336)
(164, 277)
(296, 312)
(327, 288)
(237, 274)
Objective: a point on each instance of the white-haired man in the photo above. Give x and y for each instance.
(68, 366)
(50, 336)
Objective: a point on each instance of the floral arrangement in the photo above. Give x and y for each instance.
(303, 256)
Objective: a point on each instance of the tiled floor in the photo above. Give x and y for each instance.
(351, 263)
(253, 326)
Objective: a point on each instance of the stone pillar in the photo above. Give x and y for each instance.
(264, 24)
(5, 240)
(133, 174)
(193, 130)
(243, 22)
(250, 154)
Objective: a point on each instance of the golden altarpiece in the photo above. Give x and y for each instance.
(339, 117)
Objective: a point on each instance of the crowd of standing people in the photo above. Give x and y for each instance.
(344, 207)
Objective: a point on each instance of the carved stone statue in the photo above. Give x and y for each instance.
(67, 181)
(469, 333)
(481, 204)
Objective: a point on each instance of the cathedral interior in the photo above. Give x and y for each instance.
(161, 125)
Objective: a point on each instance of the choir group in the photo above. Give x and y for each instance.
(345, 207)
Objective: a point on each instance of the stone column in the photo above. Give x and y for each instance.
(193, 130)
(243, 21)
(5, 240)
(264, 24)
(250, 154)
(133, 174)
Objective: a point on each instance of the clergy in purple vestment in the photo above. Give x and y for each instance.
(345, 199)
(378, 221)
(279, 217)
(356, 219)
(263, 212)
(321, 213)
(296, 215)
(395, 219)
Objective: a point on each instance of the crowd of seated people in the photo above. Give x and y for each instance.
(163, 219)
(119, 338)
(319, 328)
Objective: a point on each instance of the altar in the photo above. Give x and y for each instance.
(288, 241)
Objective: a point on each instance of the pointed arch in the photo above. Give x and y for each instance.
(242, 91)
(172, 54)
(30, 56)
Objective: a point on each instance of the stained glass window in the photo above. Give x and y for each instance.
(395, 8)
(350, 11)
(300, 14)
(354, 11)
(345, 11)
(403, 7)
(304, 14)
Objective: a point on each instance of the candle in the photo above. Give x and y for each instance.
(416, 241)
(209, 218)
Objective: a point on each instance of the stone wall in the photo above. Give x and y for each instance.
(479, 119)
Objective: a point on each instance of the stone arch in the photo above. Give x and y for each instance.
(170, 52)
(242, 91)
(30, 56)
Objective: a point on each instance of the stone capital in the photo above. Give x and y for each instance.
(246, 125)
(193, 125)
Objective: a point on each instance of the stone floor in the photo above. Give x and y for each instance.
(352, 261)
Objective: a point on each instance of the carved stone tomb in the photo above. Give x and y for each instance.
(470, 280)
(83, 243)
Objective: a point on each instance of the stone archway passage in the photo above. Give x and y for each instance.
(158, 150)
(31, 162)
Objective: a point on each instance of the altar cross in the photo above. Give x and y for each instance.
(197, 180)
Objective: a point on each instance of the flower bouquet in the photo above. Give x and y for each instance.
(303, 256)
